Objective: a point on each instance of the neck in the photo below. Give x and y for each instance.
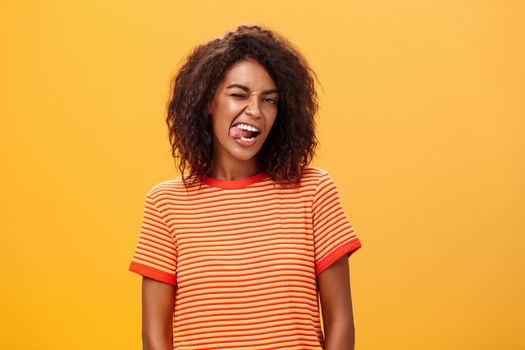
(224, 173)
(234, 169)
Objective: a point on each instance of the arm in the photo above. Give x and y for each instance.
(336, 305)
(157, 312)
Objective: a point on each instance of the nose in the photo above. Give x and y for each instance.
(252, 108)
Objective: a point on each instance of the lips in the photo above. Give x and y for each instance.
(247, 123)
(245, 130)
(236, 133)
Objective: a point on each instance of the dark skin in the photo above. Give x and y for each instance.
(336, 303)
(157, 310)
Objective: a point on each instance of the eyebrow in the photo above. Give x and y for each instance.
(245, 88)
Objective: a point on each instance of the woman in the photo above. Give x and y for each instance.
(233, 254)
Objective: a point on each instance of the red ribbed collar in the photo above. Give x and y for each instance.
(239, 183)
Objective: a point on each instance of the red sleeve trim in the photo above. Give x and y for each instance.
(150, 272)
(348, 248)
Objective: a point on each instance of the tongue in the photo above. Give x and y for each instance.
(236, 133)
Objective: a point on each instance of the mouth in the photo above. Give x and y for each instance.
(244, 133)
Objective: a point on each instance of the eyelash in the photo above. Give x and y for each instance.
(237, 95)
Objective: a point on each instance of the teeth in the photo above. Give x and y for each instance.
(247, 127)
(247, 138)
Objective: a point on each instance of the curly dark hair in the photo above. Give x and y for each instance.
(291, 143)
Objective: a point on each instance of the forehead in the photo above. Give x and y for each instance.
(250, 73)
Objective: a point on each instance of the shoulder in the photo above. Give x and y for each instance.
(315, 179)
(167, 189)
(315, 173)
(324, 181)
(313, 170)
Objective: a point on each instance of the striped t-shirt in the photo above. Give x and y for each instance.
(244, 256)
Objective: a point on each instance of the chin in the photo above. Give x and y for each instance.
(244, 155)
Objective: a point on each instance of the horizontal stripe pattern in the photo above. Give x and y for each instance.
(332, 230)
(244, 257)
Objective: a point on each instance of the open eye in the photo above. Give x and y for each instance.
(270, 100)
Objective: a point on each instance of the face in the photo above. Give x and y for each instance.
(243, 110)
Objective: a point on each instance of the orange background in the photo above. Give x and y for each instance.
(421, 124)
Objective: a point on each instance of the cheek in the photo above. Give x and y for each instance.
(222, 116)
(229, 106)
(271, 119)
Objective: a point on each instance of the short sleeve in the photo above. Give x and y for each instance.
(334, 236)
(155, 254)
